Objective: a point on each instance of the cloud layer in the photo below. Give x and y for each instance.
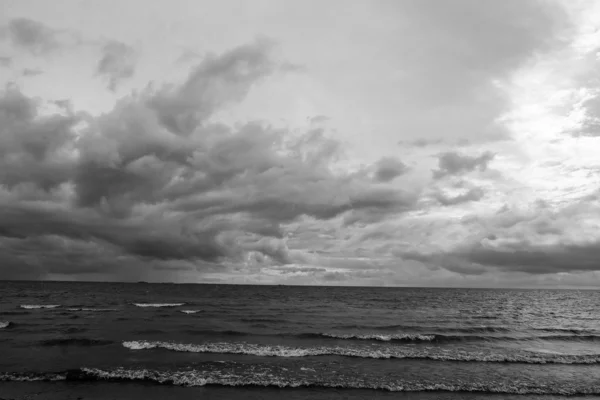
(154, 180)
(460, 149)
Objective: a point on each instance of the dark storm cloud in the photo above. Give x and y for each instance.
(164, 240)
(32, 147)
(32, 35)
(453, 163)
(537, 259)
(154, 182)
(537, 239)
(388, 169)
(531, 259)
(116, 64)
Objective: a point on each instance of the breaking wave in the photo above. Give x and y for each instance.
(406, 337)
(158, 304)
(528, 357)
(464, 329)
(4, 324)
(395, 337)
(38, 306)
(381, 337)
(305, 378)
(189, 311)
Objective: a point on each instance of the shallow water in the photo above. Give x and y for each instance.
(228, 341)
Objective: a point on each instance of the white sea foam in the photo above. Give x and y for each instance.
(16, 377)
(38, 306)
(267, 377)
(381, 337)
(190, 311)
(4, 324)
(158, 304)
(430, 353)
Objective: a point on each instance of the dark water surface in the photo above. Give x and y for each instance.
(117, 340)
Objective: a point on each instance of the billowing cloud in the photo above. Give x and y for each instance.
(117, 63)
(465, 156)
(156, 181)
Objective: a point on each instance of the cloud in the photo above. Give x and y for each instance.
(216, 82)
(319, 119)
(452, 163)
(117, 63)
(156, 182)
(31, 72)
(33, 149)
(423, 142)
(537, 240)
(387, 169)
(456, 56)
(5, 62)
(33, 36)
(473, 194)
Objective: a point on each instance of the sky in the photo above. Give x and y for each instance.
(348, 142)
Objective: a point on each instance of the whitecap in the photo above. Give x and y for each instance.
(189, 311)
(430, 353)
(158, 304)
(268, 377)
(381, 337)
(38, 306)
(4, 324)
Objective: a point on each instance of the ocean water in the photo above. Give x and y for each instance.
(117, 340)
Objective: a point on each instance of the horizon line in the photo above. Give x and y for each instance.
(300, 285)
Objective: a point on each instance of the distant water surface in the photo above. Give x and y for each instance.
(217, 341)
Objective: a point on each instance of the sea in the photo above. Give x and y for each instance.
(78, 340)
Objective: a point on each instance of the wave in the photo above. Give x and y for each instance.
(567, 330)
(92, 309)
(189, 311)
(380, 337)
(403, 337)
(5, 324)
(158, 304)
(14, 312)
(407, 337)
(75, 342)
(421, 329)
(38, 306)
(527, 357)
(396, 337)
(272, 320)
(307, 378)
